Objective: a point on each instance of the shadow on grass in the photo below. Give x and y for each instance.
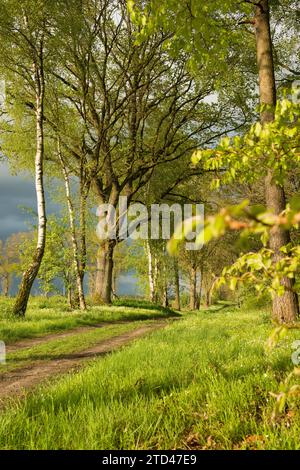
(220, 306)
(144, 304)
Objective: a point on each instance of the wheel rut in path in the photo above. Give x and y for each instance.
(17, 382)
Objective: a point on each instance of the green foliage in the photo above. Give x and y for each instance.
(259, 268)
(248, 158)
(57, 264)
(209, 31)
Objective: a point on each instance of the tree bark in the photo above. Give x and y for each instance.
(30, 274)
(84, 190)
(208, 297)
(69, 296)
(285, 307)
(104, 277)
(193, 288)
(6, 284)
(200, 287)
(150, 272)
(177, 304)
(114, 284)
(76, 257)
(165, 298)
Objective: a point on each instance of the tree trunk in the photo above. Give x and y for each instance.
(114, 284)
(177, 305)
(155, 277)
(69, 296)
(79, 278)
(165, 298)
(6, 284)
(91, 281)
(200, 288)
(208, 297)
(84, 190)
(32, 271)
(104, 277)
(150, 272)
(285, 307)
(193, 288)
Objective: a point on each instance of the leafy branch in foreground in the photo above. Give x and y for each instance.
(260, 268)
(276, 146)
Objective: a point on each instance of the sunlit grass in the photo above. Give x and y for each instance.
(56, 348)
(202, 382)
(50, 315)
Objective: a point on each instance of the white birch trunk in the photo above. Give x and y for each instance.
(76, 260)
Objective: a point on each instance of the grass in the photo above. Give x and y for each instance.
(46, 316)
(56, 348)
(202, 382)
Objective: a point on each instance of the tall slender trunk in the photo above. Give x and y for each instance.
(31, 272)
(84, 190)
(200, 286)
(79, 278)
(114, 284)
(6, 284)
(285, 307)
(150, 272)
(155, 277)
(108, 274)
(208, 297)
(177, 303)
(164, 292)
(193, 288)
(69, 296)
(100, 269)
(165, 297)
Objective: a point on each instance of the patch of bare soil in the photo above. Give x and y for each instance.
(19, 381)
(30, 342)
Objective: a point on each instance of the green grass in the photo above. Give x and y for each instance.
(56, 348)
(202, 382)
(50, 315)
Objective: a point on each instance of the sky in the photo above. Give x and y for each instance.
(17, 192)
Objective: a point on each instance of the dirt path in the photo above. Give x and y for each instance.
(30, 342)
(17, 382)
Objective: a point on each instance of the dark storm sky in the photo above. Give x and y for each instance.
(15, 191)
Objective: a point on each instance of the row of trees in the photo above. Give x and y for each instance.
(186, 280)
(219, 24)
(112, 98)
(98, 107)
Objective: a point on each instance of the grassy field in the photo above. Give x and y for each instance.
(56, 348)
(203, 382)
(46, 316)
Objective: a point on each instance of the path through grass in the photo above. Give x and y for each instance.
(46, 316)
(202, 382)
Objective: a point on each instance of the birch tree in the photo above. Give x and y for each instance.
(25, 31)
